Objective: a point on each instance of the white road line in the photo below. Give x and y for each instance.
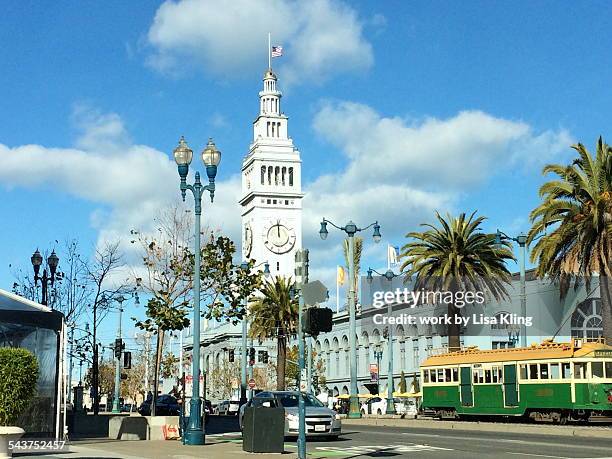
(537, 455)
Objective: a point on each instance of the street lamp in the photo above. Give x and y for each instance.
(389, 275)
(211, 157)
(521, 240)
(350, 229)
(245, 323)
(52, 262)
(378, 356)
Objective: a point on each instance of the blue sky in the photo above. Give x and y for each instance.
(398, 108)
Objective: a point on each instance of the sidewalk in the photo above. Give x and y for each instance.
(219, 447)
(534, 429)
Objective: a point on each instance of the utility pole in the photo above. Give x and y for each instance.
(301, 276)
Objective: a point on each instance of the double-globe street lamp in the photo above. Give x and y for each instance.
(521, 240)
(351, 229)
(194, 434)
(389, 275)
(245, 324)
(52, 262)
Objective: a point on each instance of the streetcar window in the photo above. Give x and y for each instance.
(447, 374)
(480, 375)
(475, 376)
(501, 374)
(456, 373)
(597, 369)
(609, 369)
(533, 371)
(426, 376)
(543, 371)
(554, 371)
(523, 371)
(565, 370)
(488, 376)
(433, 375)
(580, 370)
(440, 375)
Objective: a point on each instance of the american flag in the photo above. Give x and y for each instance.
(277, 51)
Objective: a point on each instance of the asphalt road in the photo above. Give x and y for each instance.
(398, 442)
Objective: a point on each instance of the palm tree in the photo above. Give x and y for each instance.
(457, 256)
(356, 258)
(275, 315)
(577, 207)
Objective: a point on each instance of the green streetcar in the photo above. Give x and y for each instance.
(554, 381)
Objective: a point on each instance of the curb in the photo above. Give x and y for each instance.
(561, 431)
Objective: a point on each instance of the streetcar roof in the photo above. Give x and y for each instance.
(546, 350)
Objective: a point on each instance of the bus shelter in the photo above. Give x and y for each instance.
(29, 325)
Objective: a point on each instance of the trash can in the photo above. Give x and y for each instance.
(263, 427)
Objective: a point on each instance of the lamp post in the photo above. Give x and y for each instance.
(389, 275)
(521, 240)
(378, 356)
(350, 229)
(211, 157)
(245, 324)
(116, 407)
(52, 262)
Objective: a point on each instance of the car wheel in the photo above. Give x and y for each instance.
(379, 412)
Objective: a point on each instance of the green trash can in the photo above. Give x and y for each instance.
(263, 427)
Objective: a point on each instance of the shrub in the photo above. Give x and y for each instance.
(18, 376)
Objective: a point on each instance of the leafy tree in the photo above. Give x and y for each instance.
(575, 218)
(169, 365)
(18, 377)
(457, 256)
(292, 369)
(275, 315)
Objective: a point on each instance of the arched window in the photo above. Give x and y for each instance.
(278, 129)
(283, 174)
(273, 126)
(277, 175)
(587, 321)
(268, 129)
(269, 175)
(263, 175)
(291, 176)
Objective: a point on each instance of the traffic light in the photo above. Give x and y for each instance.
(265, 357)
(301, 267)
(127, 360)
(119, 347)
(252, 356)
(315, 381)
(230, 355)
(317, 320)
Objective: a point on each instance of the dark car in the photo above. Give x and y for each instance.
(166, 405)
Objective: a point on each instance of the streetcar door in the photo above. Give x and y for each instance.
(510, 387)
(467, 397)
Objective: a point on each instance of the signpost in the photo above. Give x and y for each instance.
(373, 372)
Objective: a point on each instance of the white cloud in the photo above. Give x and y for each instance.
(320, 37)
(130, 183)
(400, 171)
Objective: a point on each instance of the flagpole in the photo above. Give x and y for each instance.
(269, 52)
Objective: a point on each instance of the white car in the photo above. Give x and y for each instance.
(378, 405)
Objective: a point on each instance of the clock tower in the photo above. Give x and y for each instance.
(271, 187)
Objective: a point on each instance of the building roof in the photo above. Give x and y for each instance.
(546, 350)
(12, 302)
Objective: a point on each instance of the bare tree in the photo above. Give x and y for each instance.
(106, 262)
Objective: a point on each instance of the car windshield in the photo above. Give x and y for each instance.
(291, 400)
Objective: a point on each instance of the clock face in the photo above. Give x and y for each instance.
(279, 238)
(247, 242)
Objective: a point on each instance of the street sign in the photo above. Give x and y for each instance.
(252, 384)
(315, 292)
